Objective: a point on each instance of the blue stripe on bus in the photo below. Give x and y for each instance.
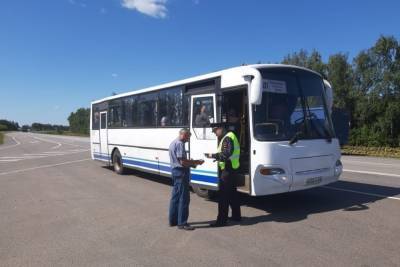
(204, 178)
(205, 171)
(156, 167)
(101, 156)
(140, 163)
(194, 175)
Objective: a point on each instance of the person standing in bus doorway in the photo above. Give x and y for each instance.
(227, 155)
(180, 170)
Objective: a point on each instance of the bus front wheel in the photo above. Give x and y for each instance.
(204, 193)
(117, 162)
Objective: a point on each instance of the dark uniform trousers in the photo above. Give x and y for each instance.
(228, 195)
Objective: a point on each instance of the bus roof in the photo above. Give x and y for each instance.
(239, 71)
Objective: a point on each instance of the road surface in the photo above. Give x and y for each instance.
(59, 208)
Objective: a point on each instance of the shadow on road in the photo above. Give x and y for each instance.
(297, 206)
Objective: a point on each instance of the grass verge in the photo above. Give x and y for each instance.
(390, 152)
(1, 138)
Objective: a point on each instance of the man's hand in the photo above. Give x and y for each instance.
(199, 162)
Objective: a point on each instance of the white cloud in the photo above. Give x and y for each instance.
(154, 8)
(103, 10)
(75, 2)
(114, 75)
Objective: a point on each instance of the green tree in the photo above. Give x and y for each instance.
(369, 89)
(311, 61)
(11, 125)
(377, 84)
(79, 121)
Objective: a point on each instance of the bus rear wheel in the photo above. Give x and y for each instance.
(117, 162)
(204, 193)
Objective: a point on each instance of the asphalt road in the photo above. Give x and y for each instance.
(59, 208)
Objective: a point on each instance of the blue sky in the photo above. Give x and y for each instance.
(58, 55)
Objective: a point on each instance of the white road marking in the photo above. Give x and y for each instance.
(360, 192)
(374, 173)
(55, 142)
(58, 145)
(40, 155)
(43, 166)
(9, 160)
(371, 163)
(17, 143)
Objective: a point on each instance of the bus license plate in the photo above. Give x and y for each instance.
(314, 180)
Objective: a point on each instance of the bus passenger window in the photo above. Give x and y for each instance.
(103, 120)
(170, 107)
(95, 118)
(203, 115)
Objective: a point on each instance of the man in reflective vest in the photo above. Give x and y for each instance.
(227, 155)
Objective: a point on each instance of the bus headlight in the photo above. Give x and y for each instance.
(271, 171)
(338, 168)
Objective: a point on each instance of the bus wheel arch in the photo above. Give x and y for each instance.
(116, 161)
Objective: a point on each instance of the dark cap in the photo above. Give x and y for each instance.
(216, 125)
(219, 125)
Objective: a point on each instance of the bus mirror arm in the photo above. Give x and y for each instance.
(254, 81)
(329, 95)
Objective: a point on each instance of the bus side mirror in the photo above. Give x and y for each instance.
(329, 95)
(254, 82)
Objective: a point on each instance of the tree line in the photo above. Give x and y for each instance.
(367, 87)
(79, 121)
(46, 127)
(6, 125)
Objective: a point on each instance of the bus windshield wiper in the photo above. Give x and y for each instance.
(328, 135)
(295, 138)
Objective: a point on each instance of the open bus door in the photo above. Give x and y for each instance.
(203, 140)
(104, 136)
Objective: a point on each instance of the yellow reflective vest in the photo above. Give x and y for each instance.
(234, 158)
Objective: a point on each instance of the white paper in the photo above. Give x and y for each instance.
(274, 86)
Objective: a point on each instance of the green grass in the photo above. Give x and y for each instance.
(1, 138)
(390, 152)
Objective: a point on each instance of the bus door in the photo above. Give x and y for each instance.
(103, 136)
(203, 140)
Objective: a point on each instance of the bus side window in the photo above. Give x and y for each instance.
(203, 116)
(96, 118)
(103, 121)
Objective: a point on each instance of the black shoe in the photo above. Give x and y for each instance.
(186, 227)
(218, 224)
(235, 219)
(173, 224)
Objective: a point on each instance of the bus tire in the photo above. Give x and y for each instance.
(204, 193)
(117, 162)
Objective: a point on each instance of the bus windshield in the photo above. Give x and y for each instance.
(293, 107)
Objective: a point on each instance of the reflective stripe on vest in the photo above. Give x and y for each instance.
(234, 158)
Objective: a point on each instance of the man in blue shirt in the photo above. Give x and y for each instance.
(180, 170)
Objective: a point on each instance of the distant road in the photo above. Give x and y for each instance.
(58, 207)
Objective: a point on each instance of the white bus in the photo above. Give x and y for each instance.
(280, 113)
